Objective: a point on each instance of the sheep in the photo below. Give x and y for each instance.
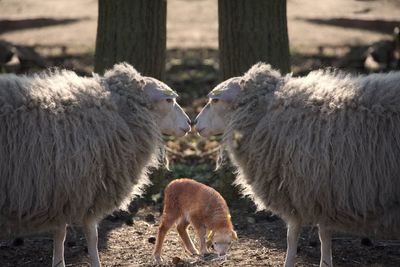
(316, 150)
(73, 148)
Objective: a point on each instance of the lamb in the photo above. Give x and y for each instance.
(321, 149)
(187, 201)
(73, 149)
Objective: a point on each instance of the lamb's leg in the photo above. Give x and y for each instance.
(201, 233)
(165, 224)
(90, 229)
(58, 246)
(187, 242)
(326, 246)
(293, 232)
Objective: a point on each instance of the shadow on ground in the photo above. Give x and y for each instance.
(7, 25)
(381, 26)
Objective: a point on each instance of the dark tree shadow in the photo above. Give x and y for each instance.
(377, 25)
(347, 250)
(23, 24)
(36, 250)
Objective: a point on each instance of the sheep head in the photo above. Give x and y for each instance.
(171, 118)
(212, 119)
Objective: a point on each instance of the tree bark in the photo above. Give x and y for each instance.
(251, 31)
(132, 31)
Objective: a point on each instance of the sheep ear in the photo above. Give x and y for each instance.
(226, 91)
(234, 235)
(157, 90)
(210, 235)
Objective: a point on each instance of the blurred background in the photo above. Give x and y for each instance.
(193, 45)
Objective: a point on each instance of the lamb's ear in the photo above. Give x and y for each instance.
(227, 90)
(210, 236)
(234, 235)
(157, 90)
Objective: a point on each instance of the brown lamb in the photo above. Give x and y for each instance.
(189, 202)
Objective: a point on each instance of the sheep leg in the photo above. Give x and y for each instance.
(90, 229)
(326, 246)
(293, 232)
(58, 246)
(165, 224)
(187, 242)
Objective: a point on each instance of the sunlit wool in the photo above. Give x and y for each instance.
(72, 147)
(324, 148)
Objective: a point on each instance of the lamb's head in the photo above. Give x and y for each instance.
(171, 118)
(221, 240)
(212, 119)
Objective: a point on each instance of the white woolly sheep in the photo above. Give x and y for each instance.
(322, 149)
(73, 149)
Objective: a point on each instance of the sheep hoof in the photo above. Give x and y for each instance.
(192, 253)
(158, 259)
(176, 260)
(204, 253)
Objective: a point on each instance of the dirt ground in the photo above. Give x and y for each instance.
(261, 243)
(128, 241)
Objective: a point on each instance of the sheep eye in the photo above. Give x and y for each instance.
(170, 100)
(214, 100)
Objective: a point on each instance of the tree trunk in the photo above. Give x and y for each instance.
(251, 31)
(132, 31)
